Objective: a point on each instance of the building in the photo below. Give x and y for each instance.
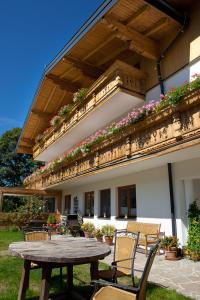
(127, 54)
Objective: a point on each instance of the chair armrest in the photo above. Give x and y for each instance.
(101, 282)
(152, 235)
(126, 259)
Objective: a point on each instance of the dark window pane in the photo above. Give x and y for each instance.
(67, 204)
(127, 201)
(89, 204)
(50, 205)
(105, 203)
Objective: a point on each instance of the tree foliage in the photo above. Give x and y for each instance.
(14, 167)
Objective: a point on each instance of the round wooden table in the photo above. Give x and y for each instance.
(57, 253)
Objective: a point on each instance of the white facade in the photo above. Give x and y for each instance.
(152, 195)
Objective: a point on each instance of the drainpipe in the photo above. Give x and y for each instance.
(172, 204)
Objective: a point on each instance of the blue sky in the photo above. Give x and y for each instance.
(32, 32)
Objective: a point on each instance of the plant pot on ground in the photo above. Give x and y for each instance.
(170, 245)
(88, 229)
(98, 235)
(108, 232)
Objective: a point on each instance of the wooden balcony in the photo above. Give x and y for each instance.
(172, 129)
(119, 89)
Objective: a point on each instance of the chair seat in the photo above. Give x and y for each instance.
(143, 241)
(107, 274)
(109, 292)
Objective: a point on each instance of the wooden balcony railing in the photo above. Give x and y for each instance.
(119, 77)
(171, 129)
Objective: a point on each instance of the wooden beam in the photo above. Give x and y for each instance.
(24, 150)
(157, 26)
(64, 84)
(138, 42)
(100, 46)
(23, 191)
(138, 14)
(113, 54)
(29, 142)
(86, 68)
(41, 114)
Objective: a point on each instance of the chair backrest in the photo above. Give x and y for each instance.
(143, 228)
(143, 281)
(36, 236)
(125, 248)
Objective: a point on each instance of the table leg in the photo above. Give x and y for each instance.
(70, 277)
(24, 280)
(45, 285)
(94, 273)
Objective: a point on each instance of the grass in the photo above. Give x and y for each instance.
(10, 272)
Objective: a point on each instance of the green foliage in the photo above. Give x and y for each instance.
(98, 233)
(108, 230)
(169, 242)
(80, 95)
(194, 229)
(14, 167)
(51, 219)
(31, 210)
(88, 227)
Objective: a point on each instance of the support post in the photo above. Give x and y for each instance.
(172, 204)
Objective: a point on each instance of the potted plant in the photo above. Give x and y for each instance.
(98, 235)
(88, 229)
(108, 232)
(170, 244)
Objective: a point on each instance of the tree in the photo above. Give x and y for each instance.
(14, 167)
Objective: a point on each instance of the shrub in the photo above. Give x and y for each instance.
(194, 230)
(64, 110)
(80, 95)
(51, 219)
(88, 227)
(108, 230)
(169, 242)
(55, 121)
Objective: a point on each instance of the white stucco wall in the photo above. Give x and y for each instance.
(152, 193)
(152, 196)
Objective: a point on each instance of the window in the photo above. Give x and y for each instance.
(105, 203)
(127, 201)
(89, 204)
(50, 204)
(67, 208)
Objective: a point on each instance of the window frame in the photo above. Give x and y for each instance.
(89, 215)
(100, 210)
(129, 201)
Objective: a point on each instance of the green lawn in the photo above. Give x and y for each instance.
(10, 271)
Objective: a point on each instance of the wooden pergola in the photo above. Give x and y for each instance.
(21, 191)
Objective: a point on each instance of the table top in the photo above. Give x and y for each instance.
(69, 250)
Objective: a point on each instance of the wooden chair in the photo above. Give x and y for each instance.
(116, 291)
(149, 233)
(38, 235)
(124, 254)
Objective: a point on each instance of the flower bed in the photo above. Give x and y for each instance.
(171, 99)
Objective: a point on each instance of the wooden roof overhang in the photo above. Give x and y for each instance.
(21, 191)
(123, 29)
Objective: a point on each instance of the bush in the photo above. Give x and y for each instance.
(88, 227)
(194, 231)
(108, 230)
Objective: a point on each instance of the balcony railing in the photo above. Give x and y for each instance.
(120, 77)
(172, 127)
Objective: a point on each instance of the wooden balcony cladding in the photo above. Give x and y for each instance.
(173, 127)
(120, 77)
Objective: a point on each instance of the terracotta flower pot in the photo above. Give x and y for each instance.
(87, 234)
(99, 239)
(171, 254)
(109, 240)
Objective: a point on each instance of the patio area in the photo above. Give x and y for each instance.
(181, 275)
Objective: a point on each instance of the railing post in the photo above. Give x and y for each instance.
(128, 146)
(96, 159)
